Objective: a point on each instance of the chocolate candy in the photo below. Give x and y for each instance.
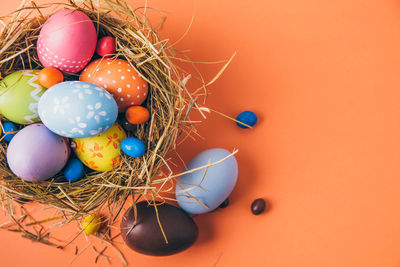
(224, 204)
(258, 206)
(129, 127)
(146, 236)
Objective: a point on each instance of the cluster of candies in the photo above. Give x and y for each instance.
(44, 112)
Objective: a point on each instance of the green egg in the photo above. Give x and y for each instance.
(19, 96)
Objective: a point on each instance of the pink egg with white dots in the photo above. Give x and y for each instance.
(67, 41)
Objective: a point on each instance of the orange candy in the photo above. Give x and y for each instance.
(50, 76)
(137, 115)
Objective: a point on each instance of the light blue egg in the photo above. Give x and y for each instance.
(77, 109)
(8, 127)
(209, 186)
(74, 170)
(133, 147)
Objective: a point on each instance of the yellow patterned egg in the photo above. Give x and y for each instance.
(101, 152)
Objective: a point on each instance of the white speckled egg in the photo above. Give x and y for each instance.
(77, 109)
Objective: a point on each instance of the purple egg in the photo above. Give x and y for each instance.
(36, 154)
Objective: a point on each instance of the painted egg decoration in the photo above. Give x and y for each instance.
(142, 232)
(102, 152)
(119, 78)
(20, 93)
(36, 154)
(77, 109)
(217, 182)
(67, 41)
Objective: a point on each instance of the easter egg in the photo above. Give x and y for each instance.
(67, 41)
(133, 147)
(102, 152)
(19, 96)
(9, 128)
(106, 46)
(77, 109)
(137, 114)
(142, 233)
(209, 186)
(50, 76)
(91, 224)
(247, 117)
(36, 154)
(119, 78)
(74, 170)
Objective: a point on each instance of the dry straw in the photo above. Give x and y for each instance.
(169, 103)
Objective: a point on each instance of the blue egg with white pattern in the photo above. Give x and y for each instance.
(133, 147)
(247, 117)
(76, 109)
(74, 170)
(8, 127)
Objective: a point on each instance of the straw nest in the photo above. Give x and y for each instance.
(169, 103)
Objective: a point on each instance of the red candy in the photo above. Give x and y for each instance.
(106, 46)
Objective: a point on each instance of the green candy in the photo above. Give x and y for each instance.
(19, 96)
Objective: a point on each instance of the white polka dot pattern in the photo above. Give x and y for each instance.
(119, 78)
(57, 49)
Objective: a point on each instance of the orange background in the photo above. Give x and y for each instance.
(324, 78)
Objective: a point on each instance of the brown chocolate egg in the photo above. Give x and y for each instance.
(119, 78)
(146, 236)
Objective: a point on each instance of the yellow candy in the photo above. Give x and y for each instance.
(102, 152)
(91, 224)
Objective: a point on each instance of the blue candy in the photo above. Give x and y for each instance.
(247, 117)
(9, 127)
(74, 170)
(133, 147)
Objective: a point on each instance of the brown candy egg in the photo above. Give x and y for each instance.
(258, 206)
(146, 237)
(119, 78)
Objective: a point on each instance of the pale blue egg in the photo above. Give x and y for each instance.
(209, 186)
(77, 109)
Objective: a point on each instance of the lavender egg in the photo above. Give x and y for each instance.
(36, 154)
